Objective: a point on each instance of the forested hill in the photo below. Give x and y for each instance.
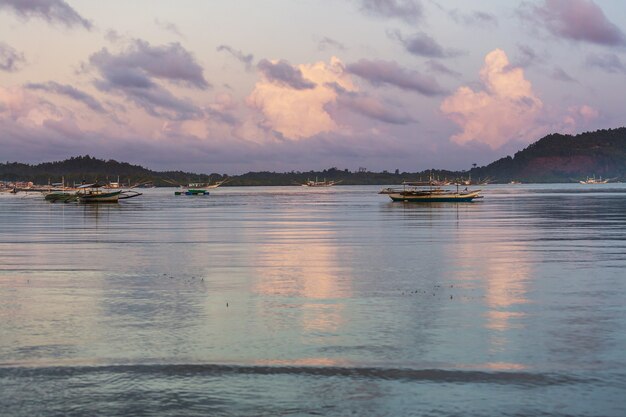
(554, 158)
(90, 169)
(564, 158)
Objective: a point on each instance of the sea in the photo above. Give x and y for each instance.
(296, 301)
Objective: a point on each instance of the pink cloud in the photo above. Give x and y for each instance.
(504, 110)
(21, 106)
(298, 113)
(578, 117)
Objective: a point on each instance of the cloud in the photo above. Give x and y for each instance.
(527, 56)
(504, 110)
(132, 73)
(579, 117)
(326, 43)
(281, 72)
(221, 109)
(298, 113)
(169, 26)
(379, 72)
(113, 36)
(245, 59)
(475, 18)
(19, 105)
(576, 20)
(53, 11)
(69, 91)
(559, 74)
(370, 107)
(421, 44)
(410, 11)
(10, 59)
(169, 62)
(373, 109)
(439, 68)
(607, 62)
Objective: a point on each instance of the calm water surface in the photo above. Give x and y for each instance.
(294, 301)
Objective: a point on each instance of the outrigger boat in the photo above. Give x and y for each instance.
(317, 183)
(93, 193)
(60, 196)
(59, 192)
(594, 180)
(90, 193)
(416, 193)
(197, 188)
(192, 191)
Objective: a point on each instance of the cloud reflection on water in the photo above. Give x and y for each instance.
(299, 265)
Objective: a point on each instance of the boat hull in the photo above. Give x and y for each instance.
(55, 196)
(108, 197)
(434, 198)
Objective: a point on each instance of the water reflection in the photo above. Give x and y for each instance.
(299, 265)
(503, 269)
(289, 277)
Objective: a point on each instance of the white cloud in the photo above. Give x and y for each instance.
(505, 110)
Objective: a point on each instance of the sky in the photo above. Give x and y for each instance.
(281, 85)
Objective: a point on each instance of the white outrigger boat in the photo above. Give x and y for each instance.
(416, 192)
(197, 188)
(594, 180)
(317, 183)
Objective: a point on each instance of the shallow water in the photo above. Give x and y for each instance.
(297, 301)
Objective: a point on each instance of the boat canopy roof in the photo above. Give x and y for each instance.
(93, 185)
(418, 183)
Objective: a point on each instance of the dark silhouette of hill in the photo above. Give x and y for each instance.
(90, 169)
(554, 158)
(563, 158)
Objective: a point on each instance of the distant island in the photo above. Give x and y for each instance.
(554, 158)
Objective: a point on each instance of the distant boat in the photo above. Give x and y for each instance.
(418, 193)
(515, 182)
(113, 184)
(192, 191)
(317, 183)
(594, 180)
(197, 188)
